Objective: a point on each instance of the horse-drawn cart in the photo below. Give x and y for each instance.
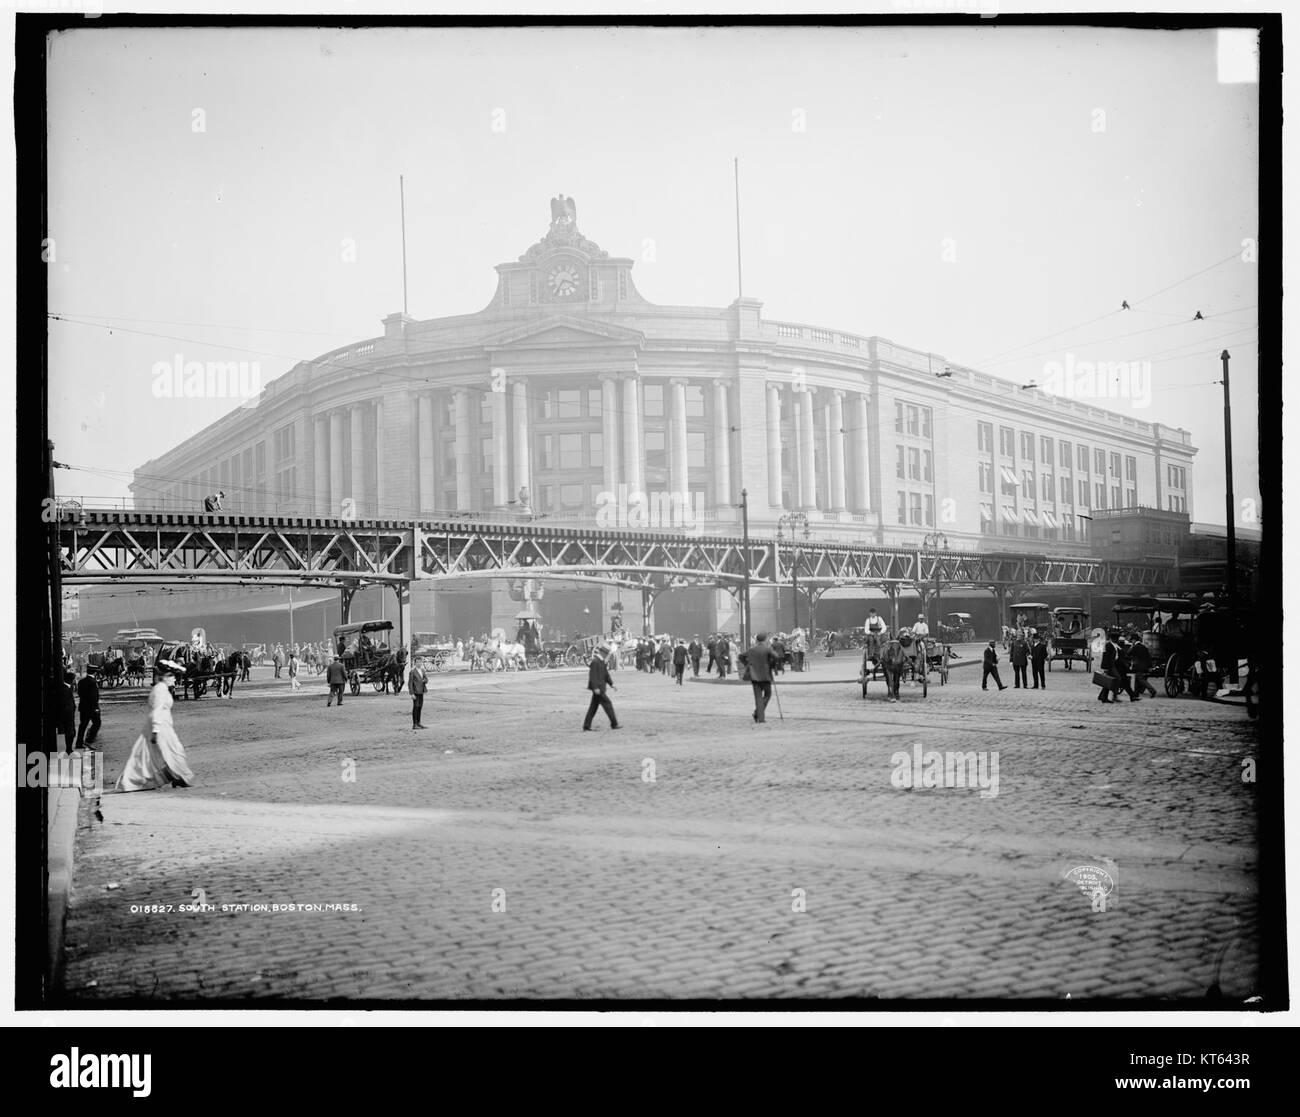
(896, 660)
(367, 658)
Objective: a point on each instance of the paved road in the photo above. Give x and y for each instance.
(504, 853)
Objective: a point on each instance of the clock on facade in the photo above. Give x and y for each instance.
(563, 281)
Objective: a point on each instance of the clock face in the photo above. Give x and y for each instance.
(563, 281)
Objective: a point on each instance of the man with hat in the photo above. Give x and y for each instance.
(758, 660)
(696, 651)
(336, 677)
(920, 628)
(679, 660)
(598, 681)
(418, 684)
(213, 502)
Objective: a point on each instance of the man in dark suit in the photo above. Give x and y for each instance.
(679, 661)
(598, 681)
(696, 651)
(991, 667)
(68, 711)
(245, 665)
(723, 654)
(1038, 660)
(336, 677)
(419, 684)
(1108, 666)
(88, 696)
(713, 653)
(758, 660)
(1020, 661)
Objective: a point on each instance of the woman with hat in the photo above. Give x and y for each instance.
(158, 757)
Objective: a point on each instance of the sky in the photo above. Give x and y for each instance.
(988, 194)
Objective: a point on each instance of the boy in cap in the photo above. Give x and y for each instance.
(598, 681)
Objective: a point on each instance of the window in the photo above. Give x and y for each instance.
(1083, 527)
(1177, 477)
(696, 450)
(1131, 498)
(1067, 491)
(485, 498)
(1027, 446)
(915, 501)
(485, 409)
(485, 453)
(986, 477)
(1083, 495)
(902, 508)
(1114, 465)
(571, 451)
(286, 485)
(1027, 484)
(548, 451)
(596, 453)
(1009, 483)
(984, 434)
(926, 415)
(928, 469)
(914, 464)
(248, 463)
(1100, 492)
(1130, 468)
(572, 497)
(929, 511)
(1065, 454)
(1045, 451)
(284, 444)
(1049, 487)
(694, 401)
(654, 401)
(1083, 459)
(593, 403)
(1099, 460)
(1114, 496)
(986, 519)
(913, 419)
(449, 412)
(901, 468)
(656, 453)
(898, 420)
(1007, 441)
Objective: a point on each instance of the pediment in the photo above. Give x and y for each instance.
(563, 332)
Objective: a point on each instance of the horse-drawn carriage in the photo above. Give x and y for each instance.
(1070, 639)
(367, 658)
(904, 658)
(203, 666)
(435, 649)
(957, 628)
(1029, 619)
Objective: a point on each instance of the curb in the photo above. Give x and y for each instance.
(64, 810)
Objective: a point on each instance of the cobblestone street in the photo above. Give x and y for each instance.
(503, 853)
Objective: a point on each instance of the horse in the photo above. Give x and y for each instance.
(227, 669)
(893, 662)
(512, 656)
(393, 671)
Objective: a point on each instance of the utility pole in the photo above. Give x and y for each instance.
(744, 604)
(1231, 508)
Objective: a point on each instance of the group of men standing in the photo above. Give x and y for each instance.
(1025, 655)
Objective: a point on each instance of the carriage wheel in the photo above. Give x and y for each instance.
(378, 684)
(1173, 680)
(573, 657)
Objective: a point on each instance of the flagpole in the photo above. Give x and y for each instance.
(740, 279)
(401, 188)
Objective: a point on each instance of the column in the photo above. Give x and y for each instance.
(807, 450)
(424, 409)
(861, 479)
(521, 448)
(336, 463)
(609, 429)
(381, 497)
(677, 472)
(500, 445)
(464, 453)
(358, 485)
(633, 462)
(721, 447)
(774, 445)
(321, 458)
(835, 450)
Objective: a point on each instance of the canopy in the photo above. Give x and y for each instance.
(962, 616)
(1136, 605)
(527, 615)
(1030, 605)
(1177, 605)
(363, 626)
(1071, 610)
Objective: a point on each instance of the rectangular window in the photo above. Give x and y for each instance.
(1045, 451)
(1007, 442)
(1067, 491)
(286, 482)
(1099, 491)
(548, 452)
(596, 453)
(902, 508)
(694, 401)
(1083, 495)
(915, 501)
(926, 417)
(656, 452)
(654, 401)
(929, 510)
(986, 477)
(1027, 446)
(914, 464)
(284, 444)
(593, 403)
(1114, 465)
(1067, 528)
(568, 403)
(1065, 455)
(928, 466)
(913, 419)
(1049, 487)
(898, 420)
(259, 457)
(1099, 461)
(901, 467)
(984, 433)
(485, 455)
(572, 497)
(1083, 459)
(1009, 483)
(248, 464)
(1130, 468)
(485, 409)
(696, 452)
(1114, 496)
(1083, 527)
(1027, 484)
(1131, 498)
(485, 498)
(986, 519)
(570, 451)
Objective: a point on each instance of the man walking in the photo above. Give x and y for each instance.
(679, 661)
(991, 667)
(759, 662)
(88, 694)
(1020, 661)
(336, 677)
(598, 681)
(1140, 659)
(1038, 659)
(245, 663)
(696, 651)
(278, 660)
(68, 711)
(723, 654)
(294, 684)
(1107, 667)
(419, 683)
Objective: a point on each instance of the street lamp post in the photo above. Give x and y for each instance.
(744, 530)
(793, 520)
(934, 542)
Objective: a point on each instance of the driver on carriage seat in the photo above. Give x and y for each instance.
(920, 628)
(874, 623)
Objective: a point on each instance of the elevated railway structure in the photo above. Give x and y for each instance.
(143, 547)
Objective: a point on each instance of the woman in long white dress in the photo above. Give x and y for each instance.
(158, 758)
